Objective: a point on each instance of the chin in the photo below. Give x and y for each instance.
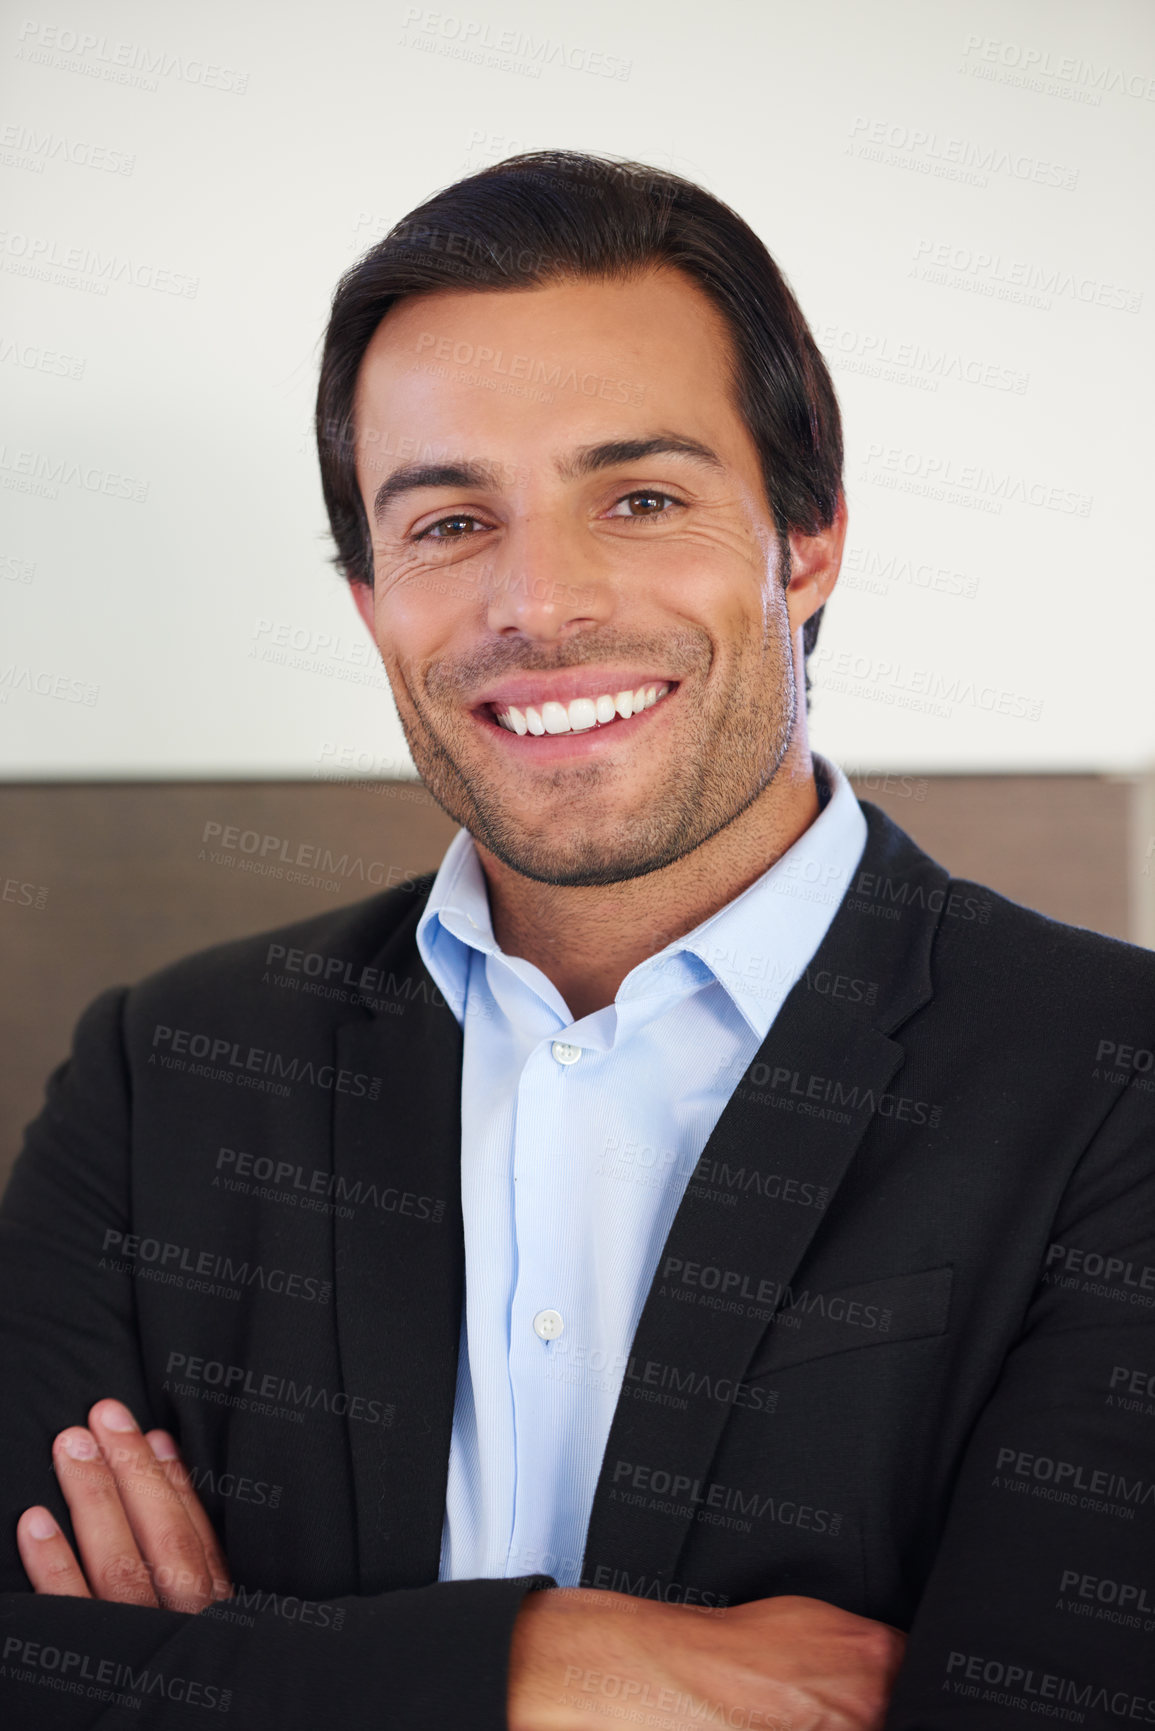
(582, 864)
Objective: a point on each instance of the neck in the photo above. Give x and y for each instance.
(587, 939)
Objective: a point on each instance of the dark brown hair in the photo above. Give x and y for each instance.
(548, 215)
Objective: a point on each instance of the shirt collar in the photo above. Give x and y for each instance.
(756, 946)
(761, 942)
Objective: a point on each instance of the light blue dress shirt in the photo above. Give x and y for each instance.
(577, 1142)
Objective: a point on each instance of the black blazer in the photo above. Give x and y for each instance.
(899, 1352)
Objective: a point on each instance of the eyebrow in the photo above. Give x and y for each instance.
(589, 460)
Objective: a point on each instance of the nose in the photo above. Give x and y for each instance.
(543, 583)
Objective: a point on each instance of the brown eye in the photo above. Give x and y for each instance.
(446, 522)
(650, 496)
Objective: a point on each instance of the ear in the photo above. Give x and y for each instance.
(814, 566)
(363, 601)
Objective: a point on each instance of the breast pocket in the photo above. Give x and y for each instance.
(811, 1323)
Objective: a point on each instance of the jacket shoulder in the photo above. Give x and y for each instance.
(354, 935)
(985, 947)
(1062, 971)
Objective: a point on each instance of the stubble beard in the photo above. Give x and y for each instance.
(720, 763)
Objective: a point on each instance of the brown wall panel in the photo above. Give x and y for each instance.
(134, 875)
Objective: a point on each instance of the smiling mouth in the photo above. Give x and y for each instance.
(581, 714)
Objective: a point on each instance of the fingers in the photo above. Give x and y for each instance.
(47, 1556)
(112, 1563)
(142, 1535)
(177, 1474)
(156, 1513)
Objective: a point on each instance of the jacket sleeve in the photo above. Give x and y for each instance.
(1041, 1601)
(413, 1658)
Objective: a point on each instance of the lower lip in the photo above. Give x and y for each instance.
(546, 748)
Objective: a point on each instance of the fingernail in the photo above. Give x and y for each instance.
(163, 1446)
(117, 1417)
(80, 1445)
(41, 1525)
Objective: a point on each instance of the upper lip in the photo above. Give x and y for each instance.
(563, 687)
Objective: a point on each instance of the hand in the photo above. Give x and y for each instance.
(784, 1664)
(143, 1537)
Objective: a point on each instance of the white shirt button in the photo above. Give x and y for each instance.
(548, 1324)
(565, 1054)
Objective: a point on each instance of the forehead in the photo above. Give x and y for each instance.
(549, 365)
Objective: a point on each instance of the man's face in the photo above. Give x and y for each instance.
(542, 574)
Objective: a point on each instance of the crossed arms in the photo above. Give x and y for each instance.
(134, 1609)
(783, 1664)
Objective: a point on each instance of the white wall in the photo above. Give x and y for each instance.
(959, 192)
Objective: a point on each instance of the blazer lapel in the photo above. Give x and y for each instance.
(722, 1271)
(400, 1262)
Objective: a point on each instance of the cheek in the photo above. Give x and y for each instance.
(717, 584)
(416, 608)
(416, 627)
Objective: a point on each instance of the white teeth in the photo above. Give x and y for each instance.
(580, 714)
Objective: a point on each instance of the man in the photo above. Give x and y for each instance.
(698, 1263)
